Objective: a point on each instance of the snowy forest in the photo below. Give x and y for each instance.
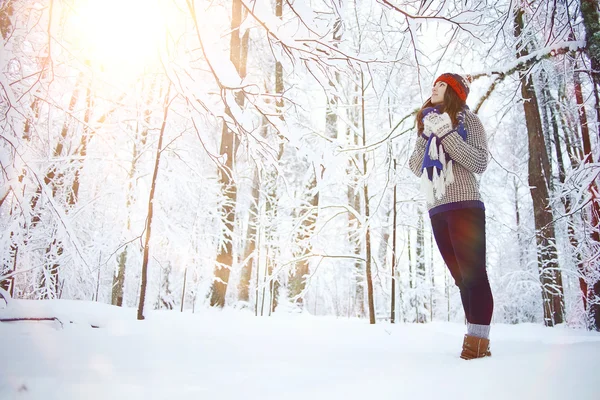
(253, 155)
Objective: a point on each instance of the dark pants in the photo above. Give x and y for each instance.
(460, 236)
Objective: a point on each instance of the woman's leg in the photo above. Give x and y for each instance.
(466, 229)
(441, 232)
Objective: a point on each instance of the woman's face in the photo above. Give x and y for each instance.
(437, 93)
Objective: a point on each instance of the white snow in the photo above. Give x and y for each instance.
(232, 354)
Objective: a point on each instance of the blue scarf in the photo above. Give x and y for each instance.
(437, 161)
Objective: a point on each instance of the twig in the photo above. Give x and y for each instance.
(32, 319)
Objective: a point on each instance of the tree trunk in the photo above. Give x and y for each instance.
(49, 279)
(224, 260)
(355, 240)
(273, 195)
(6, 12)
(412, 284)
(271, 199)
(571, 232)
(368, 257)
(394, 253)
(119, 280)
(146, 256)
(571, 135)
(583, 122)
(367, 215)
(10, 265)
(183, 289)
(589, 12)
(118, 283)
(520, 243)
(420, 278)
(331, 118)
(81, 151)
(55, 248)
(250, 259)
(432, 276)
(539, 179)
(384, 243)
(307, 228)
(410, 263)
(259, 245)
(354, 203)
(550, 103)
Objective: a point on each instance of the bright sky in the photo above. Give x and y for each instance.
(120, 37)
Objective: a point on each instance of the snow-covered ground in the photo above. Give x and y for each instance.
(231, 354)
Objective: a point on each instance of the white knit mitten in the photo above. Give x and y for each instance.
(438, 124)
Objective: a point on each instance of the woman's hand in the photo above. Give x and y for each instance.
(437, 124)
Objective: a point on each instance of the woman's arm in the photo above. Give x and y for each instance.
(416, 158)
(472, 153)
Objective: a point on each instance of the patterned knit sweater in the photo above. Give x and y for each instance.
(470, 158)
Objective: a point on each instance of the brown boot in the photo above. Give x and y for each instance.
(475, 347)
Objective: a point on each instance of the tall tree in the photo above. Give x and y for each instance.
(224, 261)
(539, 181)
(272, 194)
(6, 12)
(394, 253)
(367, 210)
(250, 258)
(354, 202)
(420, 274)
(308, 217)
(55, 180)
(139, 141)
(591, 21)
(150, 214)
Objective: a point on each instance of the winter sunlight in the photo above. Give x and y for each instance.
(118, 37)
(299, 199)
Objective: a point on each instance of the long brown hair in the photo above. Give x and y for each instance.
(452, 105)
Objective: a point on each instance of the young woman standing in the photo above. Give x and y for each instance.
(451, 150)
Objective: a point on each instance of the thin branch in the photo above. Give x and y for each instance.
(32, 319)
(460, 25)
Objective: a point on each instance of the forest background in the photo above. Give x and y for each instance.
(253, 154)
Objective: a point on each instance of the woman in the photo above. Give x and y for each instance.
(451, 149)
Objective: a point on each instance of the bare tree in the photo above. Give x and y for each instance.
(589, 11)
(308, 217)
(224, 261)
(141, 134)
(539, 182)
(150, 215)
(420, 273)
(367, 210)
(394, 249)
(250, 258)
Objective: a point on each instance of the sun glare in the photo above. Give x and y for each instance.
(119, 35)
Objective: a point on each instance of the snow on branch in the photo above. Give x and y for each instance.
(533, 57)
(61, 216)
(500, 73)
(525, 62)
(463, 20)
(310, 48)
(5, 295)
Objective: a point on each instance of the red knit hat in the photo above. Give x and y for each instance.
(459, 83)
